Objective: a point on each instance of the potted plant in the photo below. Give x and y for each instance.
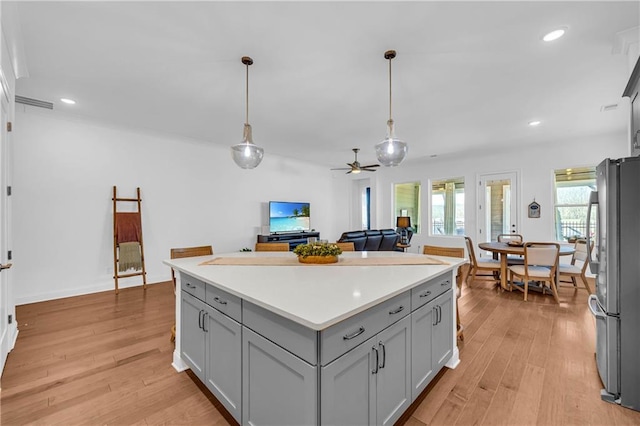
(317, 252)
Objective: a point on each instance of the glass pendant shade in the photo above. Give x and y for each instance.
(391, 151)
(246, 154)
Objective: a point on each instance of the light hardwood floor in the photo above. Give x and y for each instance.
(106, 359)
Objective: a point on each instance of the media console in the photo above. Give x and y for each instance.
(293, 238)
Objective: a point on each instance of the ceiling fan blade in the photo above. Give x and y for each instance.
(349, 172)
(343, 168)
(371, 165)
(368, 170)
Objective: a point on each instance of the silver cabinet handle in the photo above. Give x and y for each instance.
(384, 354)
(220, 301)
(435, 315)
(377, 359)
(400, 309)
(425, 294)
(189, 285)
(439, 314)
(200, 318)
(445, 283)
(204, 322)
(355, 334)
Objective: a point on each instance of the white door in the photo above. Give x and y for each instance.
(6, 307)
(497, 205)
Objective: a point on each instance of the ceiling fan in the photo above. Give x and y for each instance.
(355, 167)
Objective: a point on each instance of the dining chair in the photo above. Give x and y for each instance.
(461, 275)
(348, 246)
(272, 246)
(481, 265)
(573, 270)
(180, 252)
(505, 238)
(512, 259)
(540, 265)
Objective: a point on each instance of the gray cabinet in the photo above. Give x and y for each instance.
(371, 384)
(211, 345)
(223, 367)
(432, 338)
(278, 388)
(192, 335)
(632, 89)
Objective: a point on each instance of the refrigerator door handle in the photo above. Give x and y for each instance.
(594, 308)
(594, 265)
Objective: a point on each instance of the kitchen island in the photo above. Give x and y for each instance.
(315, 344)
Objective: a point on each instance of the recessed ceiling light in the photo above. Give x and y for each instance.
(68, 101)
(534, 123)
(554, 35)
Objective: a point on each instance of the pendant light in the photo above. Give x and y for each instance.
(391, 151)
(246, 154)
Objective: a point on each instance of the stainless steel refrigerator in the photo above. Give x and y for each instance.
(615, 205)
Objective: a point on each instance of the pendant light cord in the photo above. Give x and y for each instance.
(247, 95)
(390, 116)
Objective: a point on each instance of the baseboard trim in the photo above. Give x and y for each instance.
(96, 288)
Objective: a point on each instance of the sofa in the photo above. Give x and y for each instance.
(372, 239)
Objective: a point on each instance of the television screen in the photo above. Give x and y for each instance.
(288, 217)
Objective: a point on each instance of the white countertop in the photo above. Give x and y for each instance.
(313, 296)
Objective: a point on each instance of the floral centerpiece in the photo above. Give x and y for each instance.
(317, 252)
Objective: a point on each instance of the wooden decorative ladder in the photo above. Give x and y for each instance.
(127, 226)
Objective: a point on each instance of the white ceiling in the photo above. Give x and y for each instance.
(468, 76)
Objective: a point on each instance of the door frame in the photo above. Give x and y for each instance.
(514, 177)
(8, 331)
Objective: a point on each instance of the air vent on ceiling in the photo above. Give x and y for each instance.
(34, 102)
(610, 107)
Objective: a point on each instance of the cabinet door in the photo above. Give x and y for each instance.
(349, 386)
(192, 343)
(635, 122)
(422, 324)
(223, 360)
(278, 388)
(443, 330)
(394, 374)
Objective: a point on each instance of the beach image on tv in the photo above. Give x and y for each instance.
(288, 217)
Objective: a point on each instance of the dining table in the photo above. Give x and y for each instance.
(503, 249)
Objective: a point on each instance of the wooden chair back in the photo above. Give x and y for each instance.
(461, 275)
(272, 246)
(348, 246)
(472, 253)
(443, 251)
(180, 252)
(542, 254)
(505, 238)
(582, 253)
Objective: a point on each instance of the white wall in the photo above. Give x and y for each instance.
(534, 164)
(192, 192)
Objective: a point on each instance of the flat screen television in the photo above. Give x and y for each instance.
(286, 216)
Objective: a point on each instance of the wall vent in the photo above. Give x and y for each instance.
(33, 102)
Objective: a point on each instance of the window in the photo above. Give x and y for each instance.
(365, 207)
(407, 203)
(573, 187)
(447, 207)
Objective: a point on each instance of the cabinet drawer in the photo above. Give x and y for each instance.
(226, 303)
(346, 335)
(296, 338)
(428, 291)
(193, 286)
